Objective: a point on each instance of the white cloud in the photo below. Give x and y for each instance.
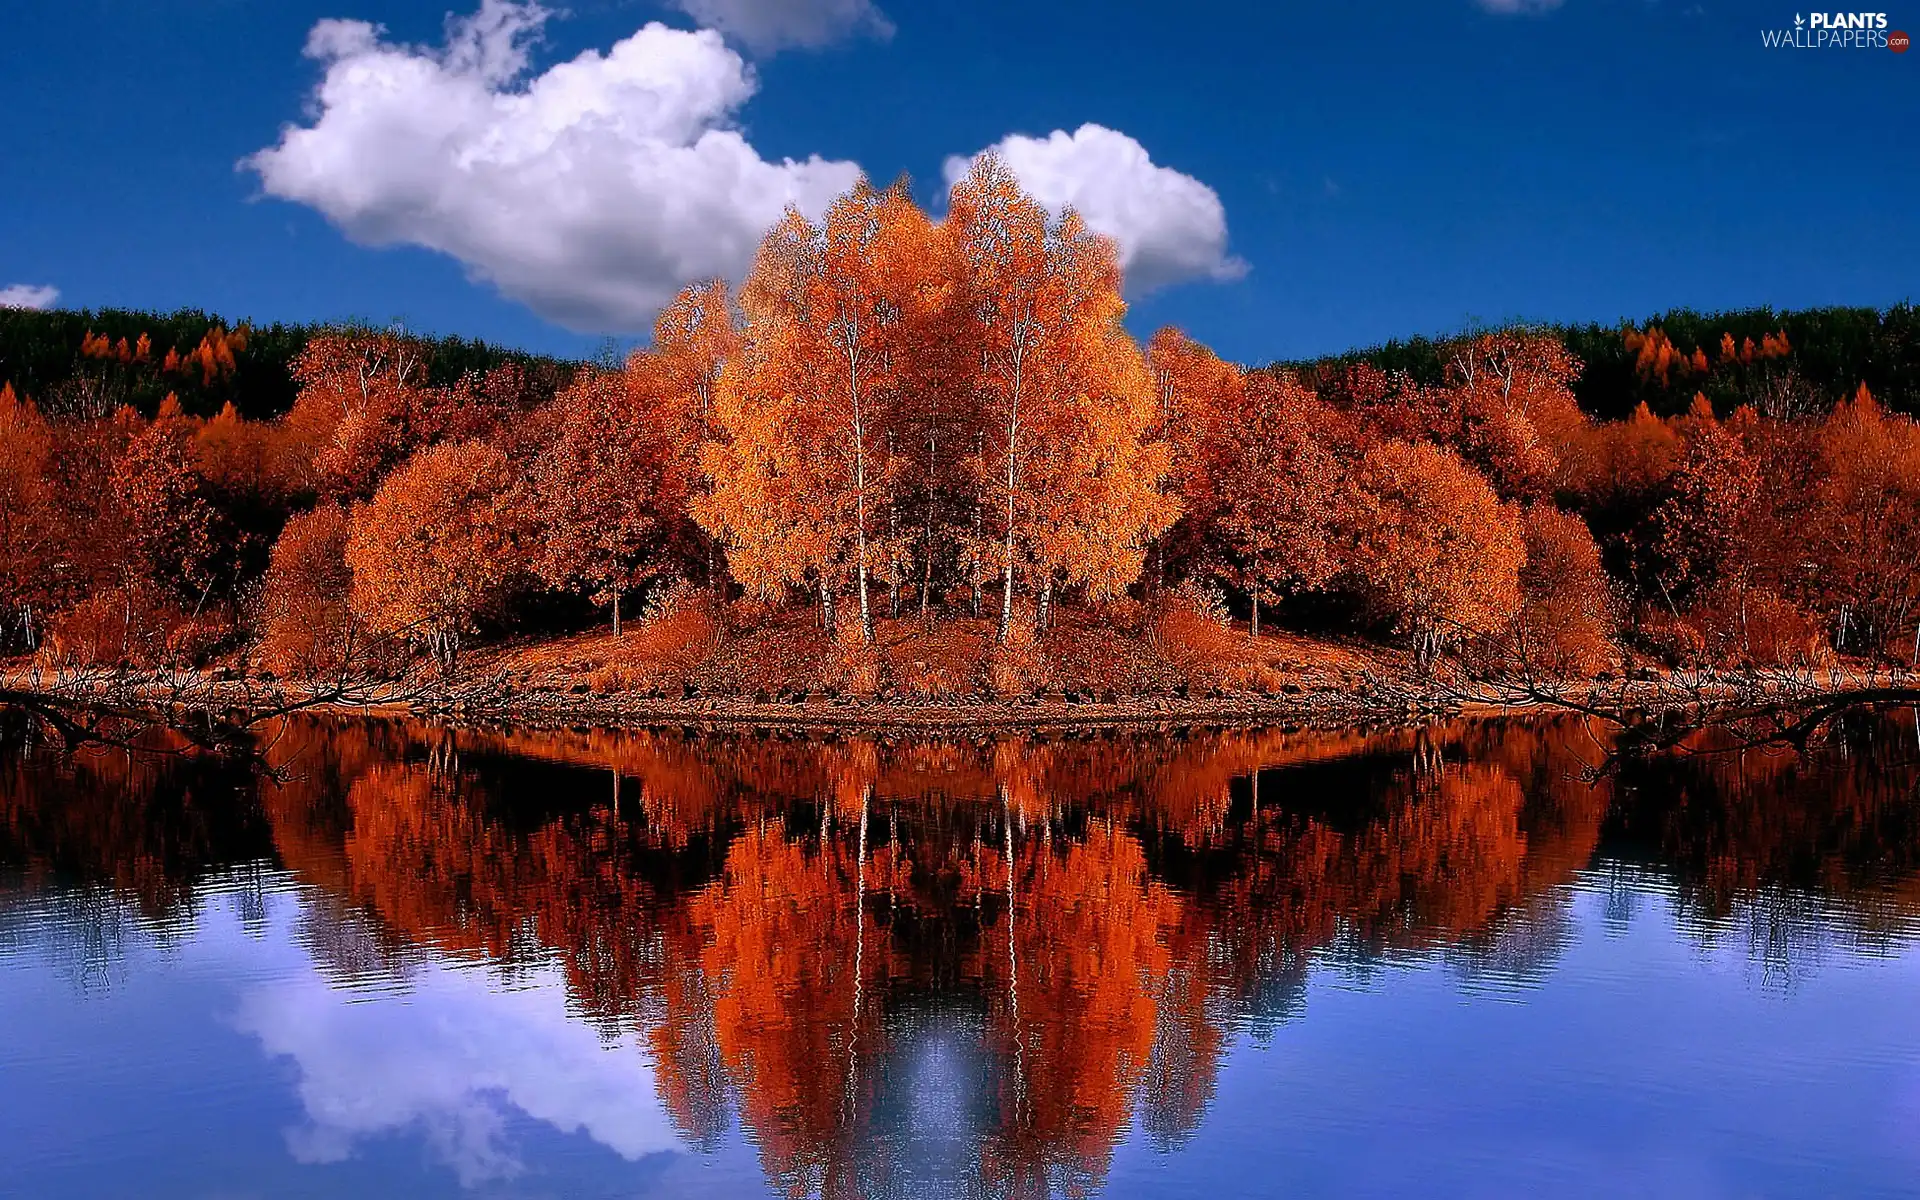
(1508, 7)
(589, 192)
(454, 1064)
(27, 295)
(1170, 227)
(764, 26)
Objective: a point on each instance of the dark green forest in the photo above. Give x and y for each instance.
(45, 356)
(1830, 353)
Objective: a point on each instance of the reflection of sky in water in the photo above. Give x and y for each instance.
(1624, 1054)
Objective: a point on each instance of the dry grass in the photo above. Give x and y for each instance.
(1120, 652)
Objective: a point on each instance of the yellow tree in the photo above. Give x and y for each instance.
(1101, 500)
(800, 475)
(1042, 306)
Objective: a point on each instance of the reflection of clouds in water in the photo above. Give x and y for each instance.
(454, 1062)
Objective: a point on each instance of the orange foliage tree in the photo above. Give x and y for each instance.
(306, 625)
(1508, 408)
(362, 406)
(1435, 551)
(26, 530)
(1197, 393)
(161, 519)
(1866, 534)
(801, 475)
(608, 490)
(434, 551)
(1276, 479)
(1065, 398)
(694, 339)
(1565, 625)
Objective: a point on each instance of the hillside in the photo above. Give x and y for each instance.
(1833, 351)
(90, 361)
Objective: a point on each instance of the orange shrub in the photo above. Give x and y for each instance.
(1194, 633)
(305, 625)
(680, 628)
(1018, 667)
(136, 626)
(1566, 621)
(1727, 626)
(853, 663)
(1758, 627)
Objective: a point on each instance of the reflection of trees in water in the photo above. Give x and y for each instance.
(145, 826)
(1061, 937)
(81, 932)
(1790, 854)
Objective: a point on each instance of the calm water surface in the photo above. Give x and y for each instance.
(1452, 962)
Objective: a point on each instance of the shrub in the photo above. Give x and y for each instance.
(305, 625)
(1194, 632)
(680, 628)
(135, 626)
(1758, 627)
(1566, 622)
(1019, 667)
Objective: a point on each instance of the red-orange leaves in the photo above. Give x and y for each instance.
(26, 521)
(1436, 552)
(434, 550)
(607, 491)
(802, 472)
(1276, 479)
(306, 626)
(1062, 461)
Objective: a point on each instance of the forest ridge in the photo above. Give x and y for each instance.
(944, 425)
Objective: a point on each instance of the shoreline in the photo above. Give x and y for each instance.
(1375, 703)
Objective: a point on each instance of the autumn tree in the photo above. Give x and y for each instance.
(26, 529)
(694, 339)
(161, 520)
(1064, 396)
(1434, 550)
(306, 624)
(800, 474)
(1866, 535)
(1705, 528)
(1196, 394)
(1565, 625)
(433, 552)
(1507, 407)
(608, 489)
(1276, 480)
(362, 404)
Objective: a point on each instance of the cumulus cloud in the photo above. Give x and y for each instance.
(27, 295)
(764, 26)
(1170, 227)
(454, 1065)
(589, 192)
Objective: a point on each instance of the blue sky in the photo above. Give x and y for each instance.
(1382, 170)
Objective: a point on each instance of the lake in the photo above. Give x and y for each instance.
(1476, 959)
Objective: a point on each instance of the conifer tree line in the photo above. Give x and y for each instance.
(902, 417)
